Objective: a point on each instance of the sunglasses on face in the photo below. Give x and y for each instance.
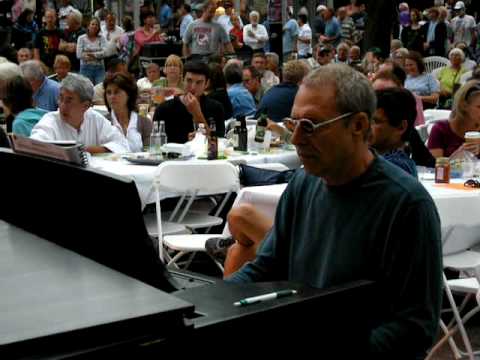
(472, 183)
(308, 127)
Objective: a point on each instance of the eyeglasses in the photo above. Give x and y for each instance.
(308, 127)
(472, 183)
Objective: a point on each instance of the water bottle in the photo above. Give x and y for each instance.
(163, 133)
(155, 143)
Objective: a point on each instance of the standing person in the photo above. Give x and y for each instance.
(290, 34)
(435, 33)
(187, 18)
(68, 44)
(24, 30)
(333, 30)
(318, 25)
(236, 33)
(148, 33)
(226, 19)
(413, 36)
(205, 37)
(304, 44)
(357, 238)
(63, 13)
(254, 34)
(48, 40)
(112, 33)
(463, 26)
(91, 51)
(121, 94)
(347, 26)
(165, 15)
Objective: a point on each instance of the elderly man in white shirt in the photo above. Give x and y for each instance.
(255, 35)
(76, 121)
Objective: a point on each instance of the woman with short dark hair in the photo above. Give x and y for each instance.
(20, 114)
(121, 94)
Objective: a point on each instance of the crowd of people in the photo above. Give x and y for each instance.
(350, 112)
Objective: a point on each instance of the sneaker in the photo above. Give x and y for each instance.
(217, 247)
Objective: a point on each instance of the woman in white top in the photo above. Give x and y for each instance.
(91, 51)
(121, 94)
(254, 34)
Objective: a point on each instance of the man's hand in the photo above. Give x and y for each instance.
(192, 105)
(474, 148)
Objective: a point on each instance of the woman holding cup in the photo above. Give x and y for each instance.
(461, 130)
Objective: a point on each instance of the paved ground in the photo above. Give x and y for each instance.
(473, 329)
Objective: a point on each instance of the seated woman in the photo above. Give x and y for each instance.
(450, 76)
(62, 67)
(18, 106)
(153, 74)
(173, 79)
(422, 84)
(121, 94)
(217, 89)
(449, 135)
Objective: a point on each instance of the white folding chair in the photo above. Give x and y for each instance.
(435, 62)
(459, 253)
(190, 180)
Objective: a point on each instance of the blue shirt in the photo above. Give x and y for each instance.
(242, 101)
(187, 19)
(431, 31)
(290, 33)
(333, 29)
(422, 85)
(165, 15)
(401, 159)
(26, 120)
(46, 97)
(278, 101)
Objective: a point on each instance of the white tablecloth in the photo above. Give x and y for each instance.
(143, 174)
(459, 210)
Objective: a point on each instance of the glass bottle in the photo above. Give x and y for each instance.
(260, 128)
(212, 153)
(163, 133)
(442, 170)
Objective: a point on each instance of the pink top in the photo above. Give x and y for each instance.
(141, 39)
(420, 120)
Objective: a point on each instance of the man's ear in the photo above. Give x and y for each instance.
(403, 126)
(360, 124)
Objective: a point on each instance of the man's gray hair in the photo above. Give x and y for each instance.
(353, 91)
(254, 13)
(77, 15)
(78, 84)
(32, 70)
(9, 70)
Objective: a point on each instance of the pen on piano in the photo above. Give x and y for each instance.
(265, 297)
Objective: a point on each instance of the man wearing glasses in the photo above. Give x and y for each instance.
(350, 215)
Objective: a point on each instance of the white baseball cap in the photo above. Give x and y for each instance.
(321, 8)
(459, 5)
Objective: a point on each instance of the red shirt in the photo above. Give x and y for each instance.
(238, 33)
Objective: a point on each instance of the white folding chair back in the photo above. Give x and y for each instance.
(189, 180)
(435, 62)
(459, 238)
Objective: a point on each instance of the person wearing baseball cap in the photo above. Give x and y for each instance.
(463, 26)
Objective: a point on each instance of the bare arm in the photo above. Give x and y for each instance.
(186, 50)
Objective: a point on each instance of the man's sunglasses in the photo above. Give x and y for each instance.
(308, 127)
